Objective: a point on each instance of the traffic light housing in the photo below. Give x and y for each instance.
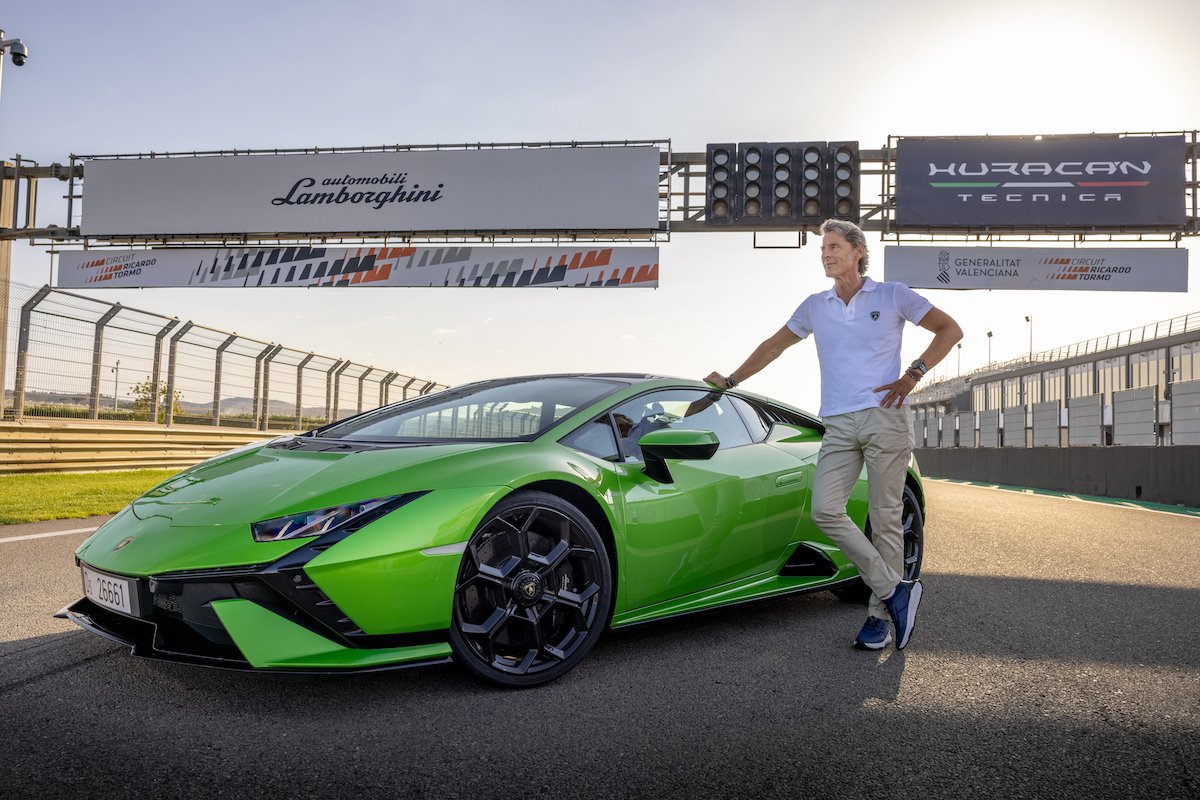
(754, 206)
(845, 172)
(754, 185)
(720, 194)
(813, 171)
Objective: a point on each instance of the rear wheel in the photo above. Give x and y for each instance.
(533, 591)
(914, 548)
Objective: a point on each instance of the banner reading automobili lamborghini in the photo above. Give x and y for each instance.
(1108, 182)
(500, 189)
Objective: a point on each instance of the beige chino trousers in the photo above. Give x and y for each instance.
(882, 438)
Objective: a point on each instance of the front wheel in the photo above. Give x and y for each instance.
(913, 522)
(533, 591)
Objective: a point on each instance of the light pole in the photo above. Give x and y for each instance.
(1029, 319)
(116, 377)
(19, 53)
(989, 348)
(959, 370)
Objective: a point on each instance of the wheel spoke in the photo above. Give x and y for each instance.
(503, 571)
(491, 626)
(553, 559)
(480, 578)
(527, 661)
(576, 600)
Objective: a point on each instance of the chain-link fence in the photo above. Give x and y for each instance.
(68, 356)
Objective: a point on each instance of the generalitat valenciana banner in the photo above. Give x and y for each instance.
(1111, 269)
(485, 190)
(498, 267)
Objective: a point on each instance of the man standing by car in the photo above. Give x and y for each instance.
(858, 326)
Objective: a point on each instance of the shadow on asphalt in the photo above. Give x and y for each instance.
(746, 701)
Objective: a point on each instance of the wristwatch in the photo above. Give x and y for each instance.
(730, 382)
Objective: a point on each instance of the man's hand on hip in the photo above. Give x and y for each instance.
(897, 390)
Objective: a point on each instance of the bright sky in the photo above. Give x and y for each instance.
(136, 76)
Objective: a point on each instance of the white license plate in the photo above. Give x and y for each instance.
(109, 591)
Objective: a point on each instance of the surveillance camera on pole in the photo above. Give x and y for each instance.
(17, 49)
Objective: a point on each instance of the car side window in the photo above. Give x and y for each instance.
(688, 409)
(754, 419)
(596, 438)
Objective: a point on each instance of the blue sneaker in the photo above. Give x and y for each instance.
(876, 634)
(902, 605)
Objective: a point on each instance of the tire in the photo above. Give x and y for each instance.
(533, 591)
(913, 520)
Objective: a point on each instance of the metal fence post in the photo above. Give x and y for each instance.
(362, 379)
(428, 387)
(23, 353)
(329, 377)
(404, 388)
(300, 391)
(217, 369)
(156, 369)
(171, 361)
(258, 374)
(97, 354)
(385, 386)
(265, 418)
(337, 387)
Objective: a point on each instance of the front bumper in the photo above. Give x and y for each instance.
(265, 641)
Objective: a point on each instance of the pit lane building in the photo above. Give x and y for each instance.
(1117, 415)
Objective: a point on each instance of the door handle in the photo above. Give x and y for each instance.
(789, 479)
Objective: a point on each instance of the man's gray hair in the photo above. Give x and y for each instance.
(854, 237)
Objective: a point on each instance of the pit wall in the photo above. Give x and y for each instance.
(1156, 474)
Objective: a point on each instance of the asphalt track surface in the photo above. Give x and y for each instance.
(1057, 655)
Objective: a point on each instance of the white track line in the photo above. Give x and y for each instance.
(46, 535)
(1064, 496)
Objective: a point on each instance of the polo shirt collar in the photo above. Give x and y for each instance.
(868, 286)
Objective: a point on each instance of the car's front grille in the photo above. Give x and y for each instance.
(168, 603)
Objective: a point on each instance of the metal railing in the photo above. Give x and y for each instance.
(75, 357)
(944, 388)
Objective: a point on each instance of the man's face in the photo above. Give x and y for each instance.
(838, 257)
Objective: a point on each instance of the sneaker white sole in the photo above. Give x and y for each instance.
(861, 645)
(914, 600)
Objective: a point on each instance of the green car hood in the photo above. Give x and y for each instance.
(265, 482)
(200, 518)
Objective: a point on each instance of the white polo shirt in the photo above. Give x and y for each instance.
(858, 343)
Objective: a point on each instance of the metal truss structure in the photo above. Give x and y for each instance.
(683, 182)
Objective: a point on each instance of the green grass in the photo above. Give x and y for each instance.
(32, 498)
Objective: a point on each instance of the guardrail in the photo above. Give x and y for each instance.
(41, 446)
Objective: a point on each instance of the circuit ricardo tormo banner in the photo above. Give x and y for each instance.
(498, 189)
(361, 266)
(1078, 182)
(1113, 269)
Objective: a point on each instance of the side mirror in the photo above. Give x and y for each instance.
(658, 446)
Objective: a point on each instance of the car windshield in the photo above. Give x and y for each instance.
(509, 410)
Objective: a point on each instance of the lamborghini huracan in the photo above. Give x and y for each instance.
(505, 524)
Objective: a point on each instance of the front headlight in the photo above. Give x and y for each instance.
(324, 520)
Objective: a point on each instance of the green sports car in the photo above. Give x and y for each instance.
(506, 523)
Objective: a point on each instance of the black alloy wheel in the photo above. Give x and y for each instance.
(533, 591)
(913, 522)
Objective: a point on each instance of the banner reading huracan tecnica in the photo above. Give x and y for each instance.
(1114, 269)
(361, 266)
(1031, 182)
